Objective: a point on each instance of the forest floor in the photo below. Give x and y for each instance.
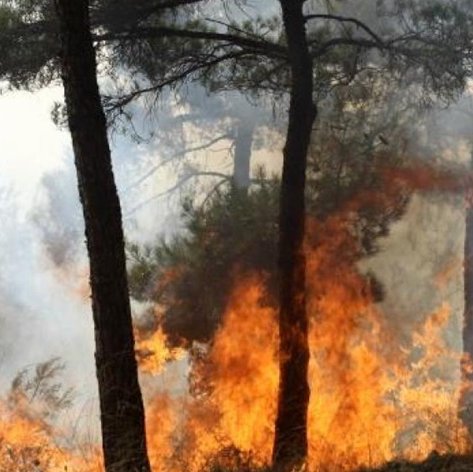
(435, 463)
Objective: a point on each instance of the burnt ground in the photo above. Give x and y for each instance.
(435, 463)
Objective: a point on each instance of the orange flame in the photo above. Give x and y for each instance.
(372, 400)
(28, 444)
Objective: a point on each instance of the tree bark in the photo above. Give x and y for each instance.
(242, 159)
(121, 404)
(466, 398)
(290, 442)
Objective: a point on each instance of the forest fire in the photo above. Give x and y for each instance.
(368, 406)
(371, 400)
(292, 311)
(28, 444)
(373, 397)
(153, 352)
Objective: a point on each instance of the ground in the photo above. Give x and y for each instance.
(435, 463)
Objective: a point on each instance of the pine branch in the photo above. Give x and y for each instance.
(270, 49)
(344, 19)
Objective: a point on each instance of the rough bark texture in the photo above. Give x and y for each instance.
(242, 159)
(121, 404)
(466, 400)
(290, 443)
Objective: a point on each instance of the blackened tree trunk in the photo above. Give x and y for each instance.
(121, 404)
(290, 442)
(242, 160)
(466, 399)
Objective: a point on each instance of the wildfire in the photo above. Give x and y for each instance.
(28, 444)
(371, 402)
(153, 352)
(372, 399)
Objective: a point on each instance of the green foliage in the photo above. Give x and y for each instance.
(361, 130)
(27, 46)
(8, 17)
(192, 275)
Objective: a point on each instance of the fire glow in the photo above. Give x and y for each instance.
(372, 399)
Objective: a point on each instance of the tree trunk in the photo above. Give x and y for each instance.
(121, 404)
(290, 442)
(242, 160)
(466, 399)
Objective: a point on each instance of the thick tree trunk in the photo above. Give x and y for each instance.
(242, 159)
(466, 399)
(290, 442)
(121, 404)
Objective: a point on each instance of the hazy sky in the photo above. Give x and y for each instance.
(31, 145)
(40, 316)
